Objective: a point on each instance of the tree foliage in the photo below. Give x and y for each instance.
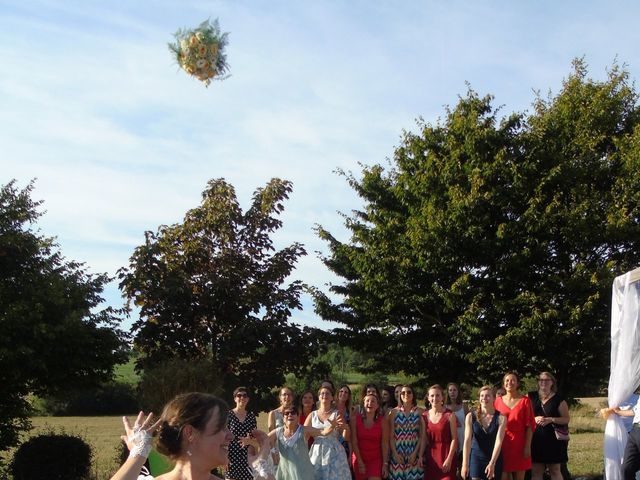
(52, 338)
(214, 287)
(491, 242)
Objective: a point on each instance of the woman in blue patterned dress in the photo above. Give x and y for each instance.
(406, 444)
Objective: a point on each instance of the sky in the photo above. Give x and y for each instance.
(120, 140)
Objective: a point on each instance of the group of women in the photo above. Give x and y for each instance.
(386, 435)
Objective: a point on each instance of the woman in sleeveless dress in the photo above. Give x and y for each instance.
(441, 438)
(275, 418)
(516, 447)
(345, 409)
(327, 454)
(550, 409)
(454, 402)
(406, 433)
(370, 441)
(484, 433)
(241, 423)
(306, 406)
(291, 444)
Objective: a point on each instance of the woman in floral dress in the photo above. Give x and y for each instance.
(327, 455)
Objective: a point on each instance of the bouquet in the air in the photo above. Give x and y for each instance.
(200, 51)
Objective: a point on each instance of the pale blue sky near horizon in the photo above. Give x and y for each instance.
(122, 141)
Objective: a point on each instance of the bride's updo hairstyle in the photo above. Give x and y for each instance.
(193, 409)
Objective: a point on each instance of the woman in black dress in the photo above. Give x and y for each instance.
(551, 411)
(241, 423)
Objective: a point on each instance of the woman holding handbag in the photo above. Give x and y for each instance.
(551, 436)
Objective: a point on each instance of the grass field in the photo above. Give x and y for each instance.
(103, 433)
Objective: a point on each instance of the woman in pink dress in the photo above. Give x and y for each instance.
(516, 448)
(370, 441)
(441, 438)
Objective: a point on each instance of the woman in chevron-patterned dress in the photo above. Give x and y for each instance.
(407, 431)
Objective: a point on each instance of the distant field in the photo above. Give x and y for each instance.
(103, 433)
(126, 373)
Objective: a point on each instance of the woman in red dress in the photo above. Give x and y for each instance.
(305, 407)
(370, 441)
(516, 448)
(442, 438)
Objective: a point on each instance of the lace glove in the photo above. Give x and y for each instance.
(141, 441)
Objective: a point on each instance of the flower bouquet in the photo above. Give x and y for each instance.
(200, 51)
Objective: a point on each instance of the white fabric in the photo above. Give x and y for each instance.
(625, 365)
(636, 412)
(291, 441)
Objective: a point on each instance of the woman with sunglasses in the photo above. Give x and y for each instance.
(327, 455)
(406, 433)
(241, 423)
(290, 442)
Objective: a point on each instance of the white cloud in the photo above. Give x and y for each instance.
(122, 141)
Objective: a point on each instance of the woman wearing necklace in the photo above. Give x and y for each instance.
(370, 441)
(483, 435)
(516, 447)
(441, 438)
(406, 433)
(327, 455)
(550, 410)
(241, 423)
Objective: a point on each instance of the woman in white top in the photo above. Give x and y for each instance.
(456, 405)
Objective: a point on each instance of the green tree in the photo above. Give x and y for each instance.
(214, 287)
(52, 337)
(491, 242)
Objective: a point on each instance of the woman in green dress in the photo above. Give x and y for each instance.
(291, 442)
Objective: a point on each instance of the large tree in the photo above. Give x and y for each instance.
(52, 337)
(214, 287)
(491, 242)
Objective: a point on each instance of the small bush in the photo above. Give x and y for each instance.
(52, 456)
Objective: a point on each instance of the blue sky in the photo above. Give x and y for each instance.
(121, 141)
